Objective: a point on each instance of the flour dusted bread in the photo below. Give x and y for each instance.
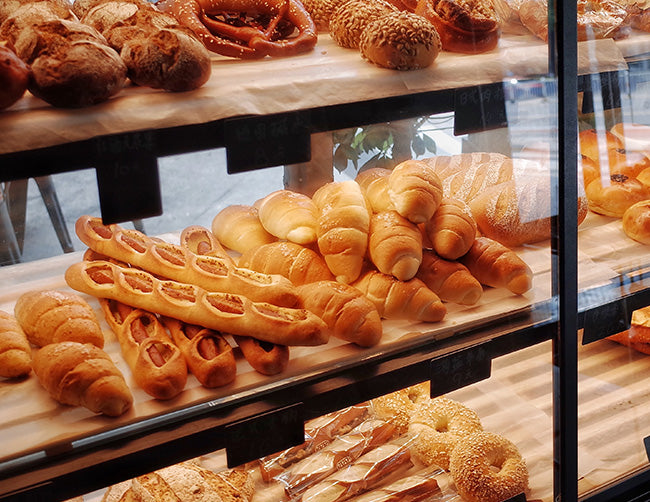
(49, 316)
(15, 352)
(238, 227)
(415, 189)
(343, 226)
(80, 374)
(395, 245)
(289, 215)
(451, 280)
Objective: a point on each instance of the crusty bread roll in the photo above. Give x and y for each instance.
(225, 312)
(103, 15)
(395, 299)
(264, 357)
(452, 229)
(207, 353)
(395, 245)
(15, 352)
(450, 280)
(81, 374)
(143, 23)
(415, 189)
(613, 196)
(374, 186)
(156, 364)
(493, 264)
(343, 226)
(14, 77)
(48, 316)
(289, 215)
(636, 221)
(24, 15)
(347, 312)
(82, 7)
(351, 17)
(238, 227)
(297, 263)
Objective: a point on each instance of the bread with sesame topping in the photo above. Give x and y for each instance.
(350, 19)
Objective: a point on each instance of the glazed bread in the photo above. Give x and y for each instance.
(452, 229)
(264, 357)
(289, 215)
(636, 221)
(613, 196)
(450, 280)
(15, 352)
(238, 227)
(415, 189)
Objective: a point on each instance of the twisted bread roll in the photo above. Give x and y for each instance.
(395, 245)
(157, 364)
(15, 352)
(343, 225)
(374, 186)
(239, 228)
(57, 316)
(415, 189)
(450, 280)
(175, 262)
(199, 240)
(224, 312)
(395, 299)
(347, 312)
(289, 215)
(207, 353)
(299, 264)
(493, 264)
(452, 229)
(264, 357)
(81, 374)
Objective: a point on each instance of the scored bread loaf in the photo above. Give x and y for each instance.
(395, 245)
(415, 189)
(297, 263)
(450, 280)
(15, 352)
(289, 215)
(157, 364)
(347, 312)
(81, 374)
(238, 227)
(50, 316)
(343, 225)
(374, 185)
(452, 229)
(495, 265)
(395, 299)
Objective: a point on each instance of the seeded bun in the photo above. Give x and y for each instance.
(613, 198)
(350, 19)
(321, 12)
(400, 41)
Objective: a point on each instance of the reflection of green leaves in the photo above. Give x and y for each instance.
(429, 144)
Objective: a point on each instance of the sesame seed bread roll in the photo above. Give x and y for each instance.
(343, 226)
(374, 185)
(452, 229)
(415, 189)
(15, 352)
(450, 280)
(289, 215)
(238, 227)
(395, 245)
(350, 19)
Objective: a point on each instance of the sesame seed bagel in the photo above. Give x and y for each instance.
(400, 41)
(350, 19)
(398, 407)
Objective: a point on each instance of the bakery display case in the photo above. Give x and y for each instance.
(162, 174)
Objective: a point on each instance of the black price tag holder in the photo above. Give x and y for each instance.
(262, 435)
(258, 142)
(127, 177)
(460, 369)
(613, 317)
(479, 108)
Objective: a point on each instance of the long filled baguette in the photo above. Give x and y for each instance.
(223, 312)
(163, 259)
(264, 357)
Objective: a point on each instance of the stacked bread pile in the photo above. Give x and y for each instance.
(81, 54)
(616, 172)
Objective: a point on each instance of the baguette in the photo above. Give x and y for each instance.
(297, 263)
(343, 225)
(452, 229)
(157, 364)
(450, 280)
(162, 259)
(264, 357)
(199, 240)
(238, 227)
(207, 353)
(493, 264)
(15, 352)
(289, 215)
(223, 312)
(395, 245)
(347, 312)
(81, 374)
(374, 185)
(415, 189)
(56, 316)
(395, 299)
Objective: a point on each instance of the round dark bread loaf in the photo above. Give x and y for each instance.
(82, 7)
(106, 14)
(144, 22)
(8, 7)
(28, 15)
(14, 77)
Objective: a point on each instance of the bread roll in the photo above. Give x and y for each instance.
(200, 241)
(15, 352)
(289, 215)
(55, 316)
(343, 225)
(238, 227)
(81, 374)
(374, 186)
(634, 137)
(143, 23)
(450, 280)
(493, 264)
(105, 14)
(636, 221)
(24, 15)
(613, 196)
(595, 143)
(347, 312)
(14, 77)
(415, 189)
(350, 18)
(452, 229)
(395, 245)
(395, 299)
(265, 358)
